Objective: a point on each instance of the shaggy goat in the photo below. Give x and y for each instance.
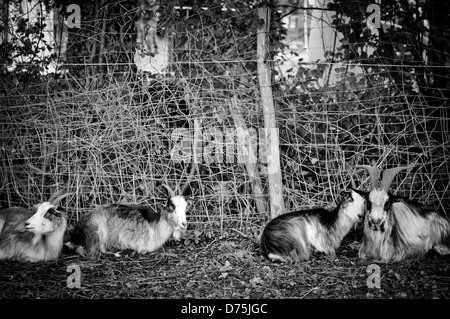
(140, 228)
(292, 236)
(32, 234)
(396, 228)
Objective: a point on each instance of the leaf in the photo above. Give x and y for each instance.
(267, 272)
(182, 262)
(110, 272)
(226, 267)
(255, 281)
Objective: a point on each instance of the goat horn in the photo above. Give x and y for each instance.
(197, 134)
(388, 176)
(185, 187)
(189, 178)
(169, 190)
(56, 198)
(55, 195)
(374, 172)
(352, 180)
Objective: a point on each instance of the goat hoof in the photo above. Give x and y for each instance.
(277, 258)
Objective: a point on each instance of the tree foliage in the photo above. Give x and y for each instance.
(218, 38)
(401, 51)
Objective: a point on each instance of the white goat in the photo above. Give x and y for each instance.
(292, 236)
(136, 227)
(396, 228)
(32, 234)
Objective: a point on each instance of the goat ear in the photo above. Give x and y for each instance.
(186, 191)
(346, 194)
(59, 210)
(360, 192)
(170, 203)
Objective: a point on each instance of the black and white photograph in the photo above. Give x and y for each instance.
(220, 156)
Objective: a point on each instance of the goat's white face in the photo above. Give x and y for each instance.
(378, 212)
(43, 221)
(355, 204)
(178, 215)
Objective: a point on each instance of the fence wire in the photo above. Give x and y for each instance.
(115, 137)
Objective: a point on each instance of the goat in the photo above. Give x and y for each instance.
(136, 227)
(396, 228)
(32, 234)
(292, 236)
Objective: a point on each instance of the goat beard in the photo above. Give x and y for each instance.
(177, 234)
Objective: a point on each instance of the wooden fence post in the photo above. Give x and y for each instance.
(251, 167)
(270, 125)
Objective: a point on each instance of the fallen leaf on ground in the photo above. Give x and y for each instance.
(226, 267)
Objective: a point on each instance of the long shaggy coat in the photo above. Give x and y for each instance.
(17, 242)
(120, 226)
(293, 236)
(408, 230)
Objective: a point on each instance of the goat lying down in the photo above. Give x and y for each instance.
(32, 234)
(293, 236)
(136, 227)
(396, 228)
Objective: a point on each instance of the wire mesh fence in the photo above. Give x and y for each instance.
(107, 133)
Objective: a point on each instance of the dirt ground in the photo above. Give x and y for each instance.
(227, 265)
